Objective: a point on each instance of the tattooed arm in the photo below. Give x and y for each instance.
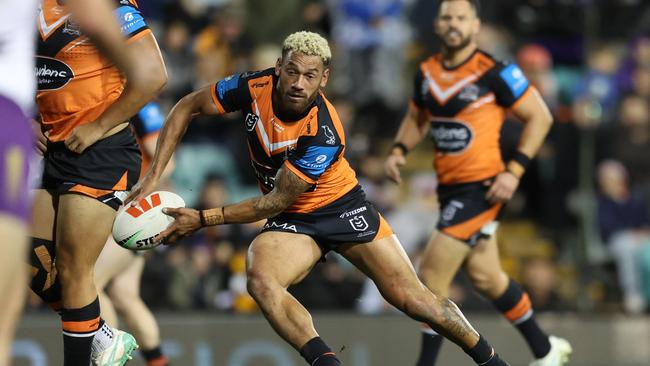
(288, 186)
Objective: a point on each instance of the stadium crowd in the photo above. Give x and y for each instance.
(576, 235)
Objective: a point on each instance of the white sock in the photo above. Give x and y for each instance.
(103, 339)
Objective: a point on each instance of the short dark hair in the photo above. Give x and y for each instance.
(476, 4)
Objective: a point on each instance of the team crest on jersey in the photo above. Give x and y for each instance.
(469, 93)
(52, 74)
(451, 137)
(331, 139)
(71, 28)
(251, 121)
(359, 223)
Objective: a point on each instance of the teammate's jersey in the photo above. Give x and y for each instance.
(311, 147)
(466, 106)
(147, 125)
(76, 84)
(17, 52)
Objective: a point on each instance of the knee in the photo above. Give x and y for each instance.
(70, 269)
(260, 286)
(488, 284)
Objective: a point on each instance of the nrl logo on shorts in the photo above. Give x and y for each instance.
(251, 121)
(359, 223)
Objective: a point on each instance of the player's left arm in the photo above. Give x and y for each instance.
(134, 96)
(288, 186)
(537, 119)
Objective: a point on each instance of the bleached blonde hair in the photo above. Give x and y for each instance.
(308, 43)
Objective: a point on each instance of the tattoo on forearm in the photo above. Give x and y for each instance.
(453, 325)
(288, 186)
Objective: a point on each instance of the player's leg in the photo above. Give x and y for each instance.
(82, 226)
(484, 270)
(124, 291)
(44, 282)
(275, 261)
(386, 263)
(441, 260)
(13, 277)
(112, 261)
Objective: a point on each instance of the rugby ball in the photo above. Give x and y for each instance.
(136, 227)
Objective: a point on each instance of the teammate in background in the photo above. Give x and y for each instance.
(17, 87)
(311, 198)
(91, 161)
(118, 271)
(460, 99)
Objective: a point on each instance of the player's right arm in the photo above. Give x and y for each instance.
(199, 102)
(411, 131)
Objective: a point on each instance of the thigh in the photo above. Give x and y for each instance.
(284, 257)
(385, 262)
(483, 267)
(112, 261)
(440, 262)
(82, 226)
(43, 214)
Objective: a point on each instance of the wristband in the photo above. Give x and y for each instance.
(208, 219)
(402, 147)
(521, 159)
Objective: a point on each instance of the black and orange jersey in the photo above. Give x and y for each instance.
(311, 147)
(76, 84)
(466, 106)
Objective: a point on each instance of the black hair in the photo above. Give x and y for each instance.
(476, 4)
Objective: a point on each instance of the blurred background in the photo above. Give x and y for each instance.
(576, 235)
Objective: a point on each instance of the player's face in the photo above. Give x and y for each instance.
(299, 79)
(457, 24)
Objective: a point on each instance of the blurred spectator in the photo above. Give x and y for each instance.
(625, 228)
(541, 282)
(370, 38)
(629, 140)
(537, 64)
(178, 60)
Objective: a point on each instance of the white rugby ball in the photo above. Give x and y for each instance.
(135, 227)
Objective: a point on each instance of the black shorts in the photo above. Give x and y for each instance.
(106, 170)
(350, 219)
(465, 214)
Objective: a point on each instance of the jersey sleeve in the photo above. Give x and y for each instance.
(418, 89)
(231, 94)
(149, 120)
(315, 154)
(130, 18)
(509, 84)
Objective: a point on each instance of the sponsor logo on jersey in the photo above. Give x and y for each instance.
(451, 137)
(260, 85)
(283, 226)
(52, 74)
(469, 93)
(251, 121)
(331, 139)
(359, 223)
(353, 212)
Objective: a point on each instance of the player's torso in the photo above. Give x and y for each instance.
(75, 82)
(465, 119)
(271, 141)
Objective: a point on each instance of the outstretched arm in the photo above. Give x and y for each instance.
(198, 102)
(288, 186)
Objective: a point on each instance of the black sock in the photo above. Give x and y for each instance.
(430, 347)
(155, 357)
(79, 328)
(317, 353)
(515, 305)
(45, 282)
